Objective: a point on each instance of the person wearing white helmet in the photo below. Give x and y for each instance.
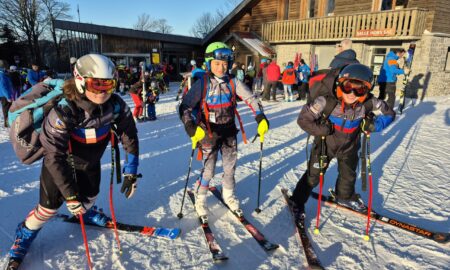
(74, 136)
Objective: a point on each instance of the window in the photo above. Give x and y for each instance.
(249, 60)
(330, 7)
(393, 4)
(447, 62)
(286, 9)
(312, 3)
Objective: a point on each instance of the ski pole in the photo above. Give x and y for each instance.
(363, 164)
(180, 215)
(321, 158)
(369, 207)
(83, 231)
(111, 184)
(261, 140)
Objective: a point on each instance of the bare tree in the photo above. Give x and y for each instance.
(163, 27)
(204, 24)
(56, 10)
(28, 21)
(145, 23)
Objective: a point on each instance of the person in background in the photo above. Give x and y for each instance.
(249, 77)
(304, 72)
(288, 79)
(34, 74)
(17, 82)
(387, 79)
(273, 75)
(345, 55)
(6, 91)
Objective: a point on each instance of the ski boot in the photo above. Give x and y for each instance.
(232, 201)
(201, 208)
(23, 239)
(298, 211)
(96, 217)
(354, 203)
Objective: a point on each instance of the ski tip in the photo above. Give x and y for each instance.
(219, 258)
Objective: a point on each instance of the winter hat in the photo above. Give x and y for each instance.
(12, 68)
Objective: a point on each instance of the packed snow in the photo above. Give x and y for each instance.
(410, 166)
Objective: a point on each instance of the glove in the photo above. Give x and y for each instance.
(368, 123)
(198, 136)
(75, 206)
(129, 185)
(327, 125)
(263, 126)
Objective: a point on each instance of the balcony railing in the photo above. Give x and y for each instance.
(396, 24)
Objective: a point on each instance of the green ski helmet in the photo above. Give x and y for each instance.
(218, 51)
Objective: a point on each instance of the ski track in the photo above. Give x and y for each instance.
(410, 168)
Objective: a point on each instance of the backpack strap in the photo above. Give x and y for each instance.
(233, 101)
(204, 105)
(330, 104)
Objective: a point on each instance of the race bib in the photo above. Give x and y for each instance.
(212, 117)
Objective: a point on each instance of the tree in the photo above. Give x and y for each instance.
(56, 10)
(28, 21)
(163, 27)
(145, 23)
(205, 24)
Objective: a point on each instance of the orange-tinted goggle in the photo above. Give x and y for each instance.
(100, 86)
(347, 87)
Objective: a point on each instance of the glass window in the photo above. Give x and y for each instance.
(386, 5)
(312, 3)
(330, 7)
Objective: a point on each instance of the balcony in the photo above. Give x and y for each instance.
(396, 25)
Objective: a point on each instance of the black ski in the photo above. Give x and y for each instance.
(259, 237)
(311, 257)
(439, 237)
(170, 233)
(214, 248)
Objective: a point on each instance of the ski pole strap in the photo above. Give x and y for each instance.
(363, 163)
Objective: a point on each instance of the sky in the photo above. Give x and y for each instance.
(180, 14)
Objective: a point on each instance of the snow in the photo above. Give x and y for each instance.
(410, 165)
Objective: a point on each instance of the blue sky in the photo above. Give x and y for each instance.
(179, 14)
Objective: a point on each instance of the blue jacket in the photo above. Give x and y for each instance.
(305, 71)
(390, 69)
(5, 85)
(344, 58)
(34, 76)
(198, 73)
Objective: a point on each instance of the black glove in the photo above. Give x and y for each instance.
(368, 123)
(129, 185)
(327, 125)
(260, 117)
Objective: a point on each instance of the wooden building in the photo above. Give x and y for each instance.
(312, 28)
(129, 47)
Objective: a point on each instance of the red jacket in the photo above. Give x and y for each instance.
(273, 72)
(288, 76)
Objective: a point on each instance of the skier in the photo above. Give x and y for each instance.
(304, 73)
(341, 133)
(387, 79)
(6, 91)
(74, 136)
(288, 79)
(35, 75)
(214, 99)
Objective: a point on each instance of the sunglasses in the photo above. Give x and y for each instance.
(100, 86)
(223, 54)
(348, 87)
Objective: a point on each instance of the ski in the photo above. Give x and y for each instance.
(439, 237)
(170, 233)
(311, 257)
(259, 237)
(214, 248)
(403, 92)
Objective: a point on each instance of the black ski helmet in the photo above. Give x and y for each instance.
(358, 72)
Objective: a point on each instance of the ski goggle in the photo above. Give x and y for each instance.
(100, 86)
(222, 54)
(358, 88)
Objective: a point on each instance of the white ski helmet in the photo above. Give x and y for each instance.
(92, 66)
(193, 63)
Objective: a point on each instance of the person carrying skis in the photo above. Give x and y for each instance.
(74, 137)
(353, 110)
(387, 79)
(210, 107)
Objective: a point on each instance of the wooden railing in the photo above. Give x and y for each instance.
(397, 24)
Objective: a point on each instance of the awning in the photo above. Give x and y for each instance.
(254, 43)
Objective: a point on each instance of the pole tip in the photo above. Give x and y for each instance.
(366, 238)
(180, 215)
(257, 210)
(316, 231)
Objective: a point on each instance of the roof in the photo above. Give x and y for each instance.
(244, 7)
(254, 43)
(124, 32)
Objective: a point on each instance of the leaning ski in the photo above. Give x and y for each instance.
(171, 233)
(213, 246)
(311, 257)
(439, 237)
(259, 237)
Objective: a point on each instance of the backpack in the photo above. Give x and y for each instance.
(26, 116)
